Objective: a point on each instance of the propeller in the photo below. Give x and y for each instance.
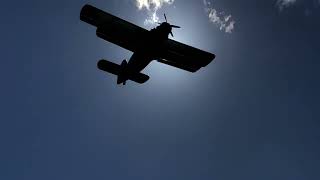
(172, 26)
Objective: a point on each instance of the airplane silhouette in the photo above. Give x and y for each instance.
(145, 45)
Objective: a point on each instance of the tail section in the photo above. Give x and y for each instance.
(122, 76)
(122, 72)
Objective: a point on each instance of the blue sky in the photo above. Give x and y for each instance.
(253, 113)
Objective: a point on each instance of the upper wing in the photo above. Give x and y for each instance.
(112, 28)
(185, 57)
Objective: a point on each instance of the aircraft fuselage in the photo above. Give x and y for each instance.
(150, 50)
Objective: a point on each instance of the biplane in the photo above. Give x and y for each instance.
(145, 45)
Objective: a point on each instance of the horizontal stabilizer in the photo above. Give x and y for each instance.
(138, 77)
(116, 69)
(109, 67)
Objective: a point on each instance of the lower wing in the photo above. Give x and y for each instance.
(185, 57)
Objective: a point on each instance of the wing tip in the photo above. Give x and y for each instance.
(208, 60)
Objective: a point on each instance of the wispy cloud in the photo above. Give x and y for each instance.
(152, 6)
(281, 4)
(307, 7)
(224, 21)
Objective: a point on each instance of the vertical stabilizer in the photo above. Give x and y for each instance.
(122, 77)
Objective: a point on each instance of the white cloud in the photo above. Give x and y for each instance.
(308, 7)
(230, 27)
(152, 19)
(152, 6)
(220, 19)
(285, 3)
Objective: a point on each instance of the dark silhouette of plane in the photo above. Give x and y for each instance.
(145, 45)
